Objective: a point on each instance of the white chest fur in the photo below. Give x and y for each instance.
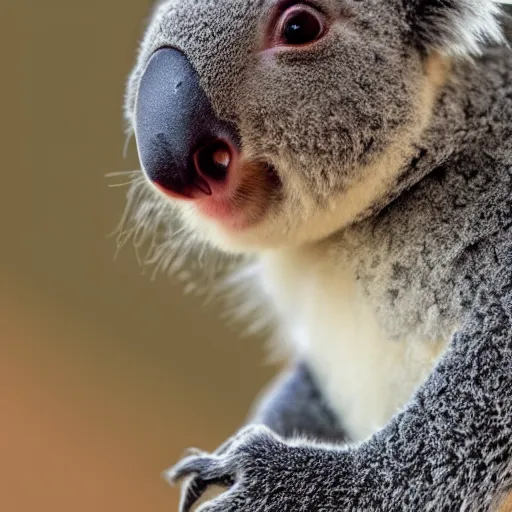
(366, 376)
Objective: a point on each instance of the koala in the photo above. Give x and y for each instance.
(354, 157)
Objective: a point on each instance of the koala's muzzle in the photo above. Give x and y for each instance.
(183, 146)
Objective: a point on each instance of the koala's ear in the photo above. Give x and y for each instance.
(453, 27)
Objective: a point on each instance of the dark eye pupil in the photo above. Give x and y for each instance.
(301, 28)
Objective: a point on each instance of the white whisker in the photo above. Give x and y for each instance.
(163, 244)
(134, 172)
(129, 135)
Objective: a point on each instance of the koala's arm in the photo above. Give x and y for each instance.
(295, 406)
(450, 449)
(292, 406)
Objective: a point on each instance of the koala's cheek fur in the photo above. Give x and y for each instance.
(300, 215)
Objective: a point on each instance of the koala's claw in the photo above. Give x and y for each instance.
(225, 468)
(194, 490)
(204, 465)
(196, 486)
(204, 473)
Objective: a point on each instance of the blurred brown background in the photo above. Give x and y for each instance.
(105, 376)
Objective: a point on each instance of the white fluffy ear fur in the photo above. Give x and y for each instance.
(454, 27)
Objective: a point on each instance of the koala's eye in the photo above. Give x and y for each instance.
(299, 25)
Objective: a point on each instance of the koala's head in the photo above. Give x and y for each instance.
(272, 123)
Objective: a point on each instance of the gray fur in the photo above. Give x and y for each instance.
(294, 407)
(420, 254)
(433, 254)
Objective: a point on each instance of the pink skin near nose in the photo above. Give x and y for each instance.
(215, 198)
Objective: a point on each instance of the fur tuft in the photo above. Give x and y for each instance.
(454, 27)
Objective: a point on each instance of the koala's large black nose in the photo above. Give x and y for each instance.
(183, 146)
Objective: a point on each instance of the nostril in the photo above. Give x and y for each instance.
(213, 160)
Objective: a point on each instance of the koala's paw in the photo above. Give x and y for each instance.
(257, 467)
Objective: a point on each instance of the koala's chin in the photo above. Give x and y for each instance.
(271, 208)
(237, 212)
